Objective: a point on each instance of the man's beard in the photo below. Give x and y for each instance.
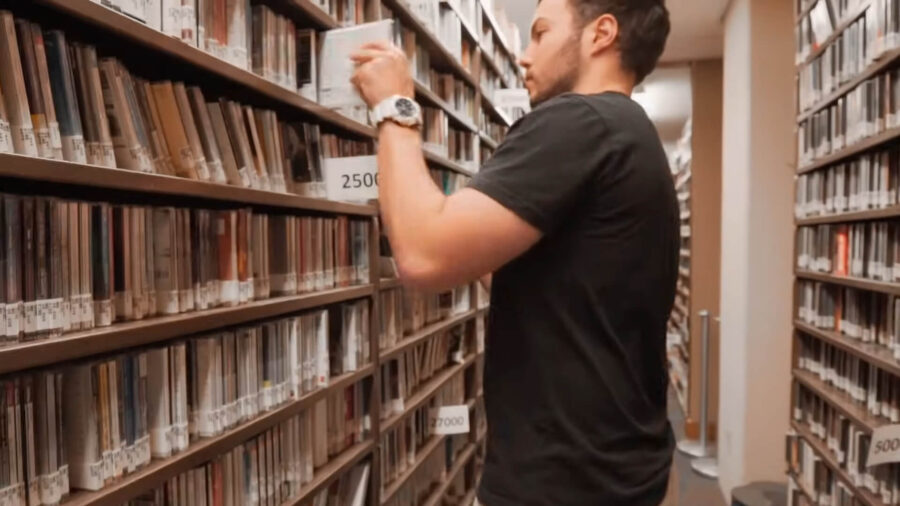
(568, 76)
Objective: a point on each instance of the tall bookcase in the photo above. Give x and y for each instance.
(845, 360)
(679, 334)
(156, 56)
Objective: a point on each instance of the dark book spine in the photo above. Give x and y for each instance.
(101, 264)
(12, 217)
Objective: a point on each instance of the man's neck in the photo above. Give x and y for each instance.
(594, 83)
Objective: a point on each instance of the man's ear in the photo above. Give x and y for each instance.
(604, 32)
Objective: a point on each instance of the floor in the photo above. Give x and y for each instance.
(693, 489)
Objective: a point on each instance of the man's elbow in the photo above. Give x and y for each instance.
(423, 274)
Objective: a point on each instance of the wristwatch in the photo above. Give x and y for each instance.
(399, 109)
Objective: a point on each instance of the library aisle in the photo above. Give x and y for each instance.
(201, 305)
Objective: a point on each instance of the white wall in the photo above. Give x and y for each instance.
(757, 249)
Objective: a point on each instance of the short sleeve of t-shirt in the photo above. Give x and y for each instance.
(546, 161)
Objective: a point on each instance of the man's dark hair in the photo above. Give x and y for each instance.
(643, 29)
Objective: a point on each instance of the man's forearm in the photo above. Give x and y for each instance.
(410, 201)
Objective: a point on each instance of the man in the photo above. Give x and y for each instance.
(576, 215)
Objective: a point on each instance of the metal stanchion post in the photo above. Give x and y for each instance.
(700, 448)
(707, 466)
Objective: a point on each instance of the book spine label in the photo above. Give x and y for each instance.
(6, 143)
(171, 18)
(24, 140)
(74, 149)
(103, 312)
(189, 23)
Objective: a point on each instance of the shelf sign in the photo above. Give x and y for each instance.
(885, 446)
(449, 420)
(351, 179)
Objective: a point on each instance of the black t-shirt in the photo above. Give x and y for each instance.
(575, 370)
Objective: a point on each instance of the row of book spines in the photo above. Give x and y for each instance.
(343, 412)
(859, 115)
(815, 477)
(70, 266)
(874, 389)
(864, 250)
(870, 181)
(161, 384)
(272, 467)
(421, 484)
(162, 127)
(404, 375)
(404, 312)
(849, 446)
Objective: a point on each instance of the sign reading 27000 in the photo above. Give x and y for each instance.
(353, 179)
(447, 420)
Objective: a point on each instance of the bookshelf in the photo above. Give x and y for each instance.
(147, 53)
(679, 333)
(831, 279)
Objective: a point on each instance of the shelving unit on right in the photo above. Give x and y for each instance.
(846, 355)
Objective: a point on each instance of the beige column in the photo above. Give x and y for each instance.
(757, 245)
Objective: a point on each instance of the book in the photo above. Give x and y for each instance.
(129, 152)
(176, 137)
(207, 135)
(98, 138)
(43, 73)
(15, 93)
(336, 69)
(63, 91)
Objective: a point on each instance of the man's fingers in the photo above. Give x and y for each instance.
(381, 45)
(366, 55)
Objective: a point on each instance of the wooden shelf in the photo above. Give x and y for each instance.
(869, 214)
(838, 31)
(801, 487)
(122, 336)
(487, 100)
(436, 498)
(445, 163)
(685, 253)
(424, 453)
(854, 149)
(862, 284)
(331, 471)
(486, 139)
(873, 353)
(313, 12)
(886, 61)
(839, 400)
(426, 333)
(34, 169)
(440, 56)
(159, 471)
(424, 92)
(822, 450)
(426, 392)
(806, 10)
(139, 33)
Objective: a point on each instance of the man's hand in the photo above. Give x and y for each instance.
(382, 71)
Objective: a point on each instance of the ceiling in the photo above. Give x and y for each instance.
(696, 26)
